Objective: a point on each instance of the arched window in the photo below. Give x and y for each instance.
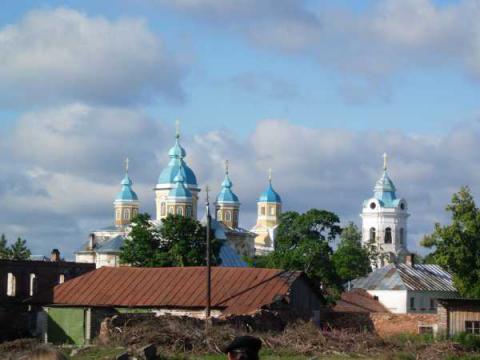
(189, 211)
(180, 211)
(272, 210)
(162, 209)
(118, 214)
(262, 210)
(171, 210)
(61, 278)
(126, 214)
(219, 215)
(11, 284)
(402, 236)
(228, 216)
(33, 284)
(134, 212)
(388, 235)
(373, 234)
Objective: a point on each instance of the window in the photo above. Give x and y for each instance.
(135, 212)
(262, 210)
(272, 210)
(412, 303)
(228, 216)
(180, 211)
(219, 215)
(373, 205)
(33, 284)
(11, 285)
(162, 209)
(61, 278)
(472, 327)
(402, 206)
(433, 304)
(372, 234)
(118, 214)
(171, 210)
(388, 235)
(189, 211)
(402, 236)
(425, 329)
(126, 214)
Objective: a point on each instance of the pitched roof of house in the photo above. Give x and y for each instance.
(404, 277)
(234, 290)
(358, 300)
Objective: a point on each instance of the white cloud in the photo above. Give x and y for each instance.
(366, 47)
(66, 55)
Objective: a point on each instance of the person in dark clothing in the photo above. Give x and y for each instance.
(243, 348)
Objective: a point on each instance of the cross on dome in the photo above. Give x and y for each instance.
(384, 161)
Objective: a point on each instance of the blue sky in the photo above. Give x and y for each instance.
(400, 75)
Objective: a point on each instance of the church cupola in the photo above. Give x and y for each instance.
(269, 206)
(180, 198)
(384, 220)
(166, 181)
(227, 205)
(126, 203)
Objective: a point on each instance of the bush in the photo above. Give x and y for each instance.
(470, 342)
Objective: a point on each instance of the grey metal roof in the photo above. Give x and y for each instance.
(111, 246)
(230, 258)
(404, 277)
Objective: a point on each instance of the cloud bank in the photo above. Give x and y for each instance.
(64, 55)
(57, 182)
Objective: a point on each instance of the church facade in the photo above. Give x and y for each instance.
(177, 192)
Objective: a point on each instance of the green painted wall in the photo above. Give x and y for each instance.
(66, 325)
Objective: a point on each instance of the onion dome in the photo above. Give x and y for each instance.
(270, 195)
(384, 190)
(226, 194)
(127, 193)
(177, 165)
(180, 191)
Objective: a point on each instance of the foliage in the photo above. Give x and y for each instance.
(470, 342)
(180, 241)
(351, 260)
(457, 245)
(16, 251)
(302, 243)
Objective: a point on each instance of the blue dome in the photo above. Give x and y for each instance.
(180, 191)
(384, 191)
(226, 195)
(269, 195)
(177, 151)
(127, 193)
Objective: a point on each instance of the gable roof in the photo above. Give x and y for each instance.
(234, 290)
(358, 301)
(404, 277)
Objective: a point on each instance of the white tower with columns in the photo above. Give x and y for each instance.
(384, 220)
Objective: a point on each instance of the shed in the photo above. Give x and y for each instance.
(83, 302)
(459, 315)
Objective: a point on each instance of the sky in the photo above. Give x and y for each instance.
(315, 90)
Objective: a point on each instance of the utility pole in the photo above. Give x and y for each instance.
(209, 270)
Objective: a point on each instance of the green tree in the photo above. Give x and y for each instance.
(457, 245)
(351, 260)
(302, 243)
(19, 250)
(180, 241)
(4, 250)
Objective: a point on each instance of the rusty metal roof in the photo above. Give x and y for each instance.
(404, 277)
(358, 301)
(234, 290)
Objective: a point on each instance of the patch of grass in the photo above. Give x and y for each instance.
(95, 353)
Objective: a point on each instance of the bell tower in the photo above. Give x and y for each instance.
(126, 203)
(227, 205)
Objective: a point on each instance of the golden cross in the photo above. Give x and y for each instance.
(177, 131)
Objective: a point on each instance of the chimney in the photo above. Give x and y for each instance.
(410, 260)
(55, 255)
(91, 241)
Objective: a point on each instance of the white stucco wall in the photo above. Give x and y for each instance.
(394, 300)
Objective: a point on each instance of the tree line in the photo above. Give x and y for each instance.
(16, 251)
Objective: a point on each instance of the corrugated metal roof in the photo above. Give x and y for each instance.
(230, 258)
(404, 277)
(235, 290)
